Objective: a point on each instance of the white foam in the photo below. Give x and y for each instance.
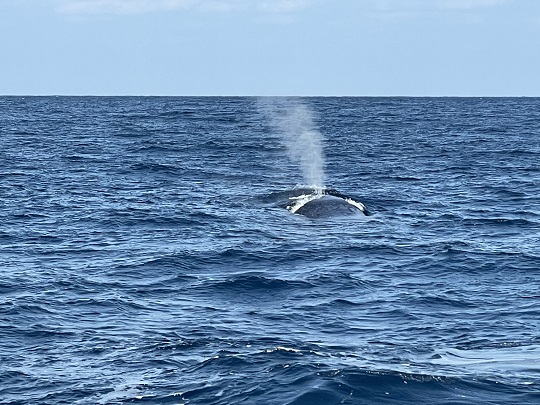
(357, 204)
(302, 200)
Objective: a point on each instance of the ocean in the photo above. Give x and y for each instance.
(149, 252)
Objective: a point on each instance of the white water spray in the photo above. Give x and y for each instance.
(295, 123)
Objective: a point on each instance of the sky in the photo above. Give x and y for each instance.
(270, 47)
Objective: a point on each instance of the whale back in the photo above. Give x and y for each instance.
(328, 206)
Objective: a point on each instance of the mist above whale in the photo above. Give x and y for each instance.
(304, 142)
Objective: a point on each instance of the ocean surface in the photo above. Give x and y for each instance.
(147, 255)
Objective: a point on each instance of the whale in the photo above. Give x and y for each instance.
(317, 203)
(327, 206)
(324, 204)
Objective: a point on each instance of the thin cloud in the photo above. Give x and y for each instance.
(471, 4)
(144, 6)
(216, 6)
(427, 5)
(284, 6)
(148, 6)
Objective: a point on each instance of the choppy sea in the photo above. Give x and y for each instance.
(147, 254)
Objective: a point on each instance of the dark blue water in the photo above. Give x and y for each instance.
(145, 258)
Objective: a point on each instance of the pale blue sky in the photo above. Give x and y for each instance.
(270, 47)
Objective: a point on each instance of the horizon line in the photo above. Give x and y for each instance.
(270, 96)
